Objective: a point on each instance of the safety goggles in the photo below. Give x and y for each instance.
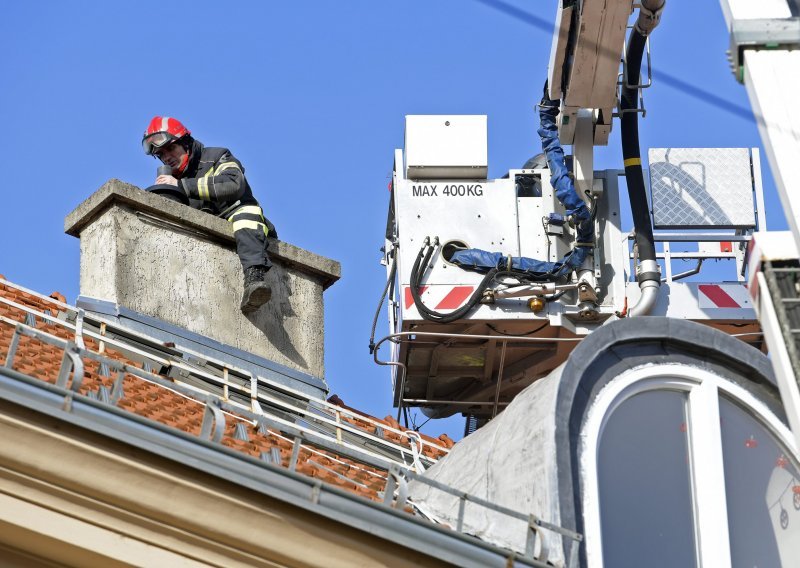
(157, 140)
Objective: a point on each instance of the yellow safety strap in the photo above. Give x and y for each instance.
(248, 224)
(633, 162)
(226, 166)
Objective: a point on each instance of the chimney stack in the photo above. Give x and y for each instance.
(172, 272)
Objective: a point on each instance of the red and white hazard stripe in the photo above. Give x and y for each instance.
(723, 296)
(439, 296)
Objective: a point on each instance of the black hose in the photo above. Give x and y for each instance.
(389, 283)
(417, 272)
(632, 155)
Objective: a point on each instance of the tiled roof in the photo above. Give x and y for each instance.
(148, 394)
(93, 363)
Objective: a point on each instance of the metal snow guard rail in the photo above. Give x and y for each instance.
(413, 452)
(397, 481)
(213, 424)
(395, 494)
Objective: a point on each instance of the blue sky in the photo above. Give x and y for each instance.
(311, 97)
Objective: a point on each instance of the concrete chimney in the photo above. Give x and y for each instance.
(172, 271)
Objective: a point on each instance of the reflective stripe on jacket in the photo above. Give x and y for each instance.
(215, 177)
(249, 217)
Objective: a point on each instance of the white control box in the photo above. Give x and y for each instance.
(446, 147)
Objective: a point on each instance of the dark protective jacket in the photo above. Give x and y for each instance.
(214, 180)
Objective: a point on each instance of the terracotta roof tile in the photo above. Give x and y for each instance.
(42, 360)
(59, 296)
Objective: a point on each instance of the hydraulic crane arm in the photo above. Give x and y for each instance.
(585, 73)
(587, 47)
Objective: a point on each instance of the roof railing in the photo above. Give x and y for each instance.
(216, 409)
(213, 426)
(335, 412)
(397, 496)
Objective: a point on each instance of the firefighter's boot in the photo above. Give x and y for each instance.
(256, 291)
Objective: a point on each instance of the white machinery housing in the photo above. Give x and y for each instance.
(523, 332)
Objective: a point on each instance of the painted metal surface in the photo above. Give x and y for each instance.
(599, 39)
(764, 43)
(489, 215)
(767, 247)
(772, 79)
(747, 9)
(558, 51)
(724, 301)
(446, 146)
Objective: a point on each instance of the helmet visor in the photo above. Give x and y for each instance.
(156, 140)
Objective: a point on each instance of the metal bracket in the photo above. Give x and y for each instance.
(488, 296)
(391, 485)
(623, 79)
(213, 415)
(71, 363)
(79, 329)
(118, 388)
(295, 454)
(764, 33)
(640, 107)
(12, 348)
(254, 404)
(533, 537)
(395, 481)
(587, 311)
(586, 293)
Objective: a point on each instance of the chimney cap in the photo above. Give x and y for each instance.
(117, 192)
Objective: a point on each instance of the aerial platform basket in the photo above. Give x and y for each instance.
(476, 364)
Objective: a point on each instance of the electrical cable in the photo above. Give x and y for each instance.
(417, 272)
(389, 283)
(538, 329)
(555, 296)
(418, 428)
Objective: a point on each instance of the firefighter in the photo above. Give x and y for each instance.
(214, 181)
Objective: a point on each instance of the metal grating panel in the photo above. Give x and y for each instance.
(701, 188)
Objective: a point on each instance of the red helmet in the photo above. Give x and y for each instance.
(161, 131)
